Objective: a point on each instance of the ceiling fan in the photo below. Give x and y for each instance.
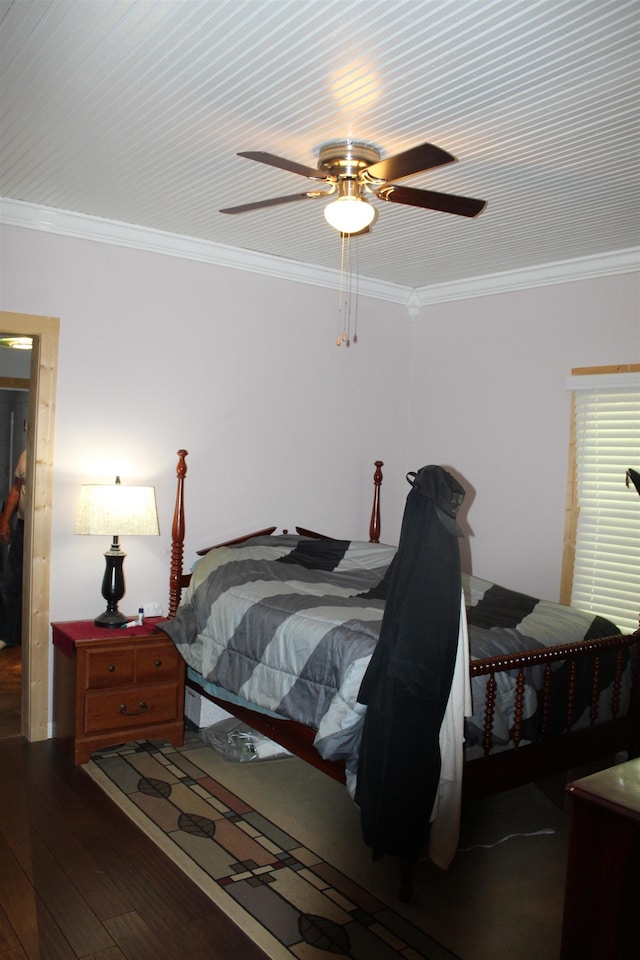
(353, 170)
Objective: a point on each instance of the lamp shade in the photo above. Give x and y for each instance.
(349, 214)
(117, 510)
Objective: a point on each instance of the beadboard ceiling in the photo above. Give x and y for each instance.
(134, 110)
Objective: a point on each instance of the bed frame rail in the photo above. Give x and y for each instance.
(493, 772)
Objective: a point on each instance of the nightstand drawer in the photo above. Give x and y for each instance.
(109, 668)
(130, 707)
(157, 663)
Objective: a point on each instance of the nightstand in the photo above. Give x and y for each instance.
(115, 685)
(603, 880)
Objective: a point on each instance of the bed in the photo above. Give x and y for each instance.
(552, 687)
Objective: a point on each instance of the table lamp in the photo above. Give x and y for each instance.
(116, 510)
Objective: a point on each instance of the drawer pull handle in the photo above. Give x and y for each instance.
(111, 668)
(158, 663)
(133, 713)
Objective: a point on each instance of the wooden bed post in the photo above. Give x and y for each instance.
(177, 537)
(374, 526)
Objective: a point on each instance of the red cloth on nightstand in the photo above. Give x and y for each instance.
(65, 634)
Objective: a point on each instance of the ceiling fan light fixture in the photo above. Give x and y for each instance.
(349, 214)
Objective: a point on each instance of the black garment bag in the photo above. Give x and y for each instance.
(407, 684)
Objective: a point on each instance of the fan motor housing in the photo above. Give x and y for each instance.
(346, 159)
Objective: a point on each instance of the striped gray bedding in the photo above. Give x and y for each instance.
(289, 623)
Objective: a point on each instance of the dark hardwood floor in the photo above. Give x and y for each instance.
(78, 879)
(10, 690)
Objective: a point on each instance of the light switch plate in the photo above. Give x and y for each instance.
(152, 609)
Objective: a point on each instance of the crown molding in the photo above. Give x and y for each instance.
(547, 274)
(18, 213)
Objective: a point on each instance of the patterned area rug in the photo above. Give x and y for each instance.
(283, 894)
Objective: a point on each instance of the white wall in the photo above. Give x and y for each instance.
(158, 353)
(489, 400)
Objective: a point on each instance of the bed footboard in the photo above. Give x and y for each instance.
(553, 752)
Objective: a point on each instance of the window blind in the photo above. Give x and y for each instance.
(606, 573)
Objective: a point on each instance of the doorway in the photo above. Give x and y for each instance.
(15, 372)
(44, 332)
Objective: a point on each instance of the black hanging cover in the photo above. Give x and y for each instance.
(634, 476)
(407, 684)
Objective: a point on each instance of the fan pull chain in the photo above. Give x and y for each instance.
(340, 290)
(355, 316)
(345, 296)
(346, 339)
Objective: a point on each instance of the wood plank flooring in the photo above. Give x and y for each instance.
(10, 690)
(79, 880)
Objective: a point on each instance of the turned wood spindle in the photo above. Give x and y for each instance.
(571, 694)
(546, 698)
(177, 537)
(518, 703)
(489, 710)
(374, 526)
(595, 690)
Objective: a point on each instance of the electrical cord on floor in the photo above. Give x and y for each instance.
(488, 846)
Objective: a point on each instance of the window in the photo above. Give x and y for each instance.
(601, 568)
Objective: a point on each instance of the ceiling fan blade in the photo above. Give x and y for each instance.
(276, 201)
(269, 158)
(429, 199)
(423, 157)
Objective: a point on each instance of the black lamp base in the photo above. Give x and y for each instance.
(111, 618)
(112, 587)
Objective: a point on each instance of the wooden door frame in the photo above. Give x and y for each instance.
(37, 528)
